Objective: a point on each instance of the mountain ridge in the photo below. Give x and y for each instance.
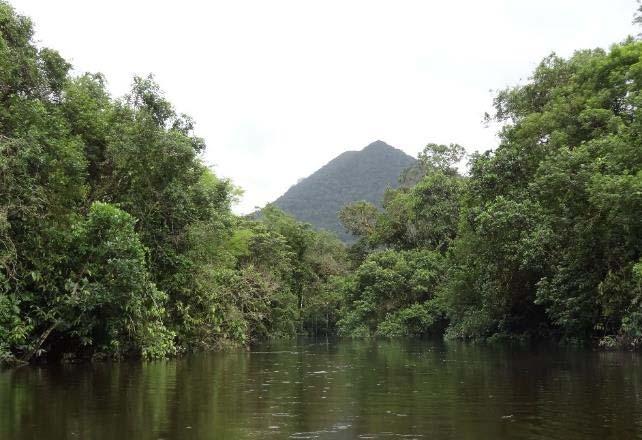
(353, 175)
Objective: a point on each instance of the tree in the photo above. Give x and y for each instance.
(359, 218)
(110, 301)
(549, 215)
(393, 294)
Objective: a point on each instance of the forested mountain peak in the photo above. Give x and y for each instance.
(351, 176)
(379, 144)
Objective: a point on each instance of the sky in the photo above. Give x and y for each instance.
(278, 88)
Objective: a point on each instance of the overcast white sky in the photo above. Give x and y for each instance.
(278, 88)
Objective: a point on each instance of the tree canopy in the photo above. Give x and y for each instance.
(543, 237)
(117, 240)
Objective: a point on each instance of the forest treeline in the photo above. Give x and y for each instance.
(116, 240)
(542, 238)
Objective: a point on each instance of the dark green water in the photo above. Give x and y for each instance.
(338, 390)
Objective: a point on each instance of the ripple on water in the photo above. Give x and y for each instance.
(346, 390)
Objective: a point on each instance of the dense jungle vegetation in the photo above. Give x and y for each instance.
(543, 236)
(116, 240)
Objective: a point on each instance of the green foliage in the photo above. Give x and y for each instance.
(115, 238)
(393, 293)
(359, 218)
(417, 319)
(315, 257)
(543, 238)
(553, 213)
(424, 215)
(112, 282)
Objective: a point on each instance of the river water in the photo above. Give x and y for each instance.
(400, 389)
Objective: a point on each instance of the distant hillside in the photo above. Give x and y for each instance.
(349, 177)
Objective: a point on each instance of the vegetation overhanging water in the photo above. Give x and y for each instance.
(116, 240)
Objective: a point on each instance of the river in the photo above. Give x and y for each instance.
(347, 389)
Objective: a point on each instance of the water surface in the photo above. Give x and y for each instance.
(408, 389)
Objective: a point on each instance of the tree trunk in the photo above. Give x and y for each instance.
(41, 340)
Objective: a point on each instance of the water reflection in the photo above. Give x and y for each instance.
(333, 390)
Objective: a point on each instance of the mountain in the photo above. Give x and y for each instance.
(352, 176)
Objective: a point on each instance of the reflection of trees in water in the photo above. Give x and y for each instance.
(449, 390)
